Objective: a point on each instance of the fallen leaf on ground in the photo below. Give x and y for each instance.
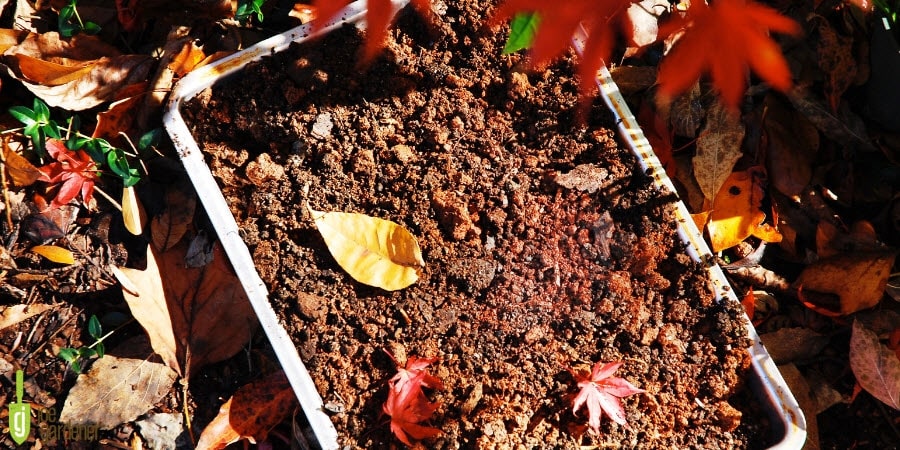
(793, 344)
(835, 59)
(718, 149)
(119, 116)
(117, 388)
(725, 39)
(858, 279)
(600, 393)
(20, 170)
(74, 74)
(373, 251)
(876, 367)
(169, 227)
(792, 142)
(408, 407)
(200, 312)
(54, 253)
(11, 315)
(133, 212)
(736, 215)
(250, 413)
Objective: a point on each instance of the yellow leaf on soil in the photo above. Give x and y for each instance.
(251, 413)
(858, 279)
(54, 253)
(736, 214)
(133, 212)
(373, 251)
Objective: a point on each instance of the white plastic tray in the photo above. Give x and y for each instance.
(786, 415)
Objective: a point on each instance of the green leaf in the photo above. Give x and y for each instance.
(101, 350)
(86, 352)
(24, 115)
(91, 28)
(51, 129)
(150, 139)
(522, 29)
(95, 150)
(41, 111)
(76, 366)
(68, 354)
(132, 179)
(118, 164)
(94, 327)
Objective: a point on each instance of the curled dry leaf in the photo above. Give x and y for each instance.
(203, 312)
(11, 315)
(858, 279)
(74, 74)
(250, 413)
(876, 367)
(54, 253)
(718, 148)
(373, 251)
(736, 215)
(20, 170)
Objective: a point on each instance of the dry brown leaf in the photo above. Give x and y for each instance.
(789, 345)
(117, 388)
(687, 184)
(718, 148)
(11, 315)
(54, 253)
(20, 170)
(120, 114)
(836, 59)
(858, 279)
(9, 38)
(736, 213)
(201, 313)
(168, 228)
(373, 251)
(792, 143)
(133, 212)
(876, 367)
(844, 126)
(82, 89)
(686, 112)
(251, 413)
(831, 240)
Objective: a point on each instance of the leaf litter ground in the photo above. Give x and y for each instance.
(544, 246)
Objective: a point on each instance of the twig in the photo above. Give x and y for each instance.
(5, 189)
(116, 204)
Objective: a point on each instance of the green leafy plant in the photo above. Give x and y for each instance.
(39, 127)
(247, 8)
(76, 356)
(70, 22)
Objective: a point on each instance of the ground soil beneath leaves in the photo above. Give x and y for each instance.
(545, 245)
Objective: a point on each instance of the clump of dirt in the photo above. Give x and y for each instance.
(545, 246)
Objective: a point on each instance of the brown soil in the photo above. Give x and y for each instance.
(545, 248)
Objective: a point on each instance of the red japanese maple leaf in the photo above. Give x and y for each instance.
(414, 367)
(560, 21)
(74, 169)
(725, 39)
(601, 391)
(379, 15)
(408, 407)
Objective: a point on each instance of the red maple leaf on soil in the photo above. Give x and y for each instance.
(74, 169)
(603, 20)
(725, 39)
(600, 392)
(407, 404)
(379, 15)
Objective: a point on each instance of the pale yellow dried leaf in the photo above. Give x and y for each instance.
(11, 315)
(133, 212)
(54, 253)
(373, 251)
(117, 389)
(718, 148)
(858, 279)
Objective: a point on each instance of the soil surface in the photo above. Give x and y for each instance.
(545, 245)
